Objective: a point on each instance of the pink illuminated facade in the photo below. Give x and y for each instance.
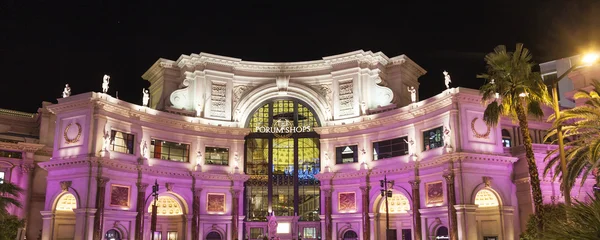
(244, 150)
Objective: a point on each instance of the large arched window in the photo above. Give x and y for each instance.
(282, 159)
(167, 206)
(398, 203)
(66, 202)
(486, 198)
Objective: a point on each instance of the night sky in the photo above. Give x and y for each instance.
(44, 45)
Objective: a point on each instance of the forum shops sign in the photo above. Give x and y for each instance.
(282, 128)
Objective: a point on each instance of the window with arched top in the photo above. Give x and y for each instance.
(486, 198)
(167, 206)
(66, 202)
(398, 203)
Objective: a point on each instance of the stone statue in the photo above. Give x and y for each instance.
(105, 83)
(447, 136)
(145, 97)
(413, 93)
(363, 107)
(144, 149)
(447, 80)
(67, 91)
(272, 229)
(106, 142)
(411, 147)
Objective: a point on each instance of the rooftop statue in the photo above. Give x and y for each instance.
(67, 91)
(447, 79)
(105, 83)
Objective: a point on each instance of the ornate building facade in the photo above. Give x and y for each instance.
(246, 150)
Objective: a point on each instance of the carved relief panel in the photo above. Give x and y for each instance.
(435, 193)
(72, 131)
(218, 100)
(347, 202)
(346, 98)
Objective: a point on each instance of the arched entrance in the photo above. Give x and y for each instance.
(112, 234)
(282, 158)
(213, 236)
(442, 233)
(400, 219)
(488, 214)
(64, 223)
(170, 218)
(350, 235)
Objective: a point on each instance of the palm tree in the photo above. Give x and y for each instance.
(583, 223)
(513, 89)
(8, 197)
(582, 124)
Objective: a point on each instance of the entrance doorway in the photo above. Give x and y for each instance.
(282, 158)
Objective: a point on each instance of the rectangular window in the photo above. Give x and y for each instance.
(171, 235)
(1, 177)
(390, 148)
(310, 232)
(346, 154)
(170, 151)
(217, 156)
(11, 154)
(256, 233)
(433, 138)
(121, 142)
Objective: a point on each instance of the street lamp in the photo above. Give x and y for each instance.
(154, 208)
(386, 193)
(587, 59)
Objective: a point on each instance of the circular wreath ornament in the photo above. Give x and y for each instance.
(69, 138)
(477, 134)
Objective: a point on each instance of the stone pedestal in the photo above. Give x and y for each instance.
(467, 225)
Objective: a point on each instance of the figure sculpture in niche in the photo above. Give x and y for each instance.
(145, 97)
(144, 149)
(447, 79)
(105, 81)
(106, 143)
(67, 91)
(198, 160)
(413, 93)
(411, 143)
(363, 107)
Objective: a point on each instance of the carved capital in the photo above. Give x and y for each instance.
(365, 189)
(449, 176)
(235, 193)
(197, 191)
(141, 187)
(26, 168)
(102, 181)
(328, 191)
(65, 185)
(415, 183)
(169, 186)
(487, 181)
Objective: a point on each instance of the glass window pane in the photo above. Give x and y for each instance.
(433, 138)
(217, 156)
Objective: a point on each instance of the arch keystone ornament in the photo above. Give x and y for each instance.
(476, 133)
(70, 135)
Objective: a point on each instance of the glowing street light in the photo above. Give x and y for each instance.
(587, 59)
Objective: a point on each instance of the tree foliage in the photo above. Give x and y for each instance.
(9, 227)
(9, 194)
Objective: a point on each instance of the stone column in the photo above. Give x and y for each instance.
(140, 205)
(196, 213)
(26, 176)
(467, 225)
(508, 222)
(328, 211)
(451, 200)
(99, 219)
(47, 225)
(365, 212)
(416, 206)
(322, 231)
(235, 212)
(372, 223)
(84, 223)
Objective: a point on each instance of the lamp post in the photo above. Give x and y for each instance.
(586, 59)
(154, 208)
(386, 193)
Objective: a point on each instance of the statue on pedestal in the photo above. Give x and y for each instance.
(413, 93)
(67, 91)
(144, 149)
(106, 142)
(411, 147)
(105, 81)
(447, 80)
(145, 97)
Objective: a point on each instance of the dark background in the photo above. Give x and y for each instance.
(45, 44)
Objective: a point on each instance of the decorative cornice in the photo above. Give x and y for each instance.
(14, 113)
(21, 146)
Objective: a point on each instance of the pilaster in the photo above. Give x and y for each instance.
(416, 206)
(99, 218)
(365, 212)
(467, 225)
(451, 201)
(139, 218)
(84, 223)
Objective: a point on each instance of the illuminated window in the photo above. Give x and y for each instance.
(167, 206)
(390, 148)
(433, 139)
(11, 154)
(217, 156)
(506, 139)
(486, 198)
(1, 177)
(66, 202)
(171, 235)
(346, 154)
(121, 142)
(310, 232)
(170, 151)
(398, 203)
